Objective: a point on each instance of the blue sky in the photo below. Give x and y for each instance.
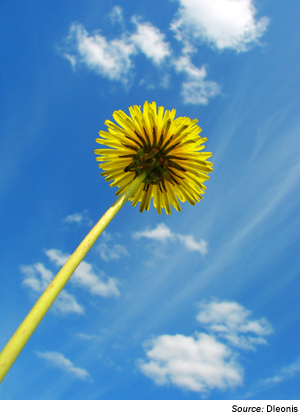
(201, 304)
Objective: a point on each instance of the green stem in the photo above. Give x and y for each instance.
(17, 342)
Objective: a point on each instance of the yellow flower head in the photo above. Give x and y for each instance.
(167, 148)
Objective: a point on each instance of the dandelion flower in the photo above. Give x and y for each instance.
(168, 149)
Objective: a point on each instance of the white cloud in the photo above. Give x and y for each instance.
(109, 58)
(163, 234)
(204, 362)
(81, 218)
(65, 364)
(116, 15)
(57, 257)
(150, 41)
(196, 89)
(35, 283)
(66, 303)
(232, 321)
(199, 363)
(111, 253)
(85, 277)
(220, 23)
(106, 236)
(37, 278)
(183, 64)
(192, 245)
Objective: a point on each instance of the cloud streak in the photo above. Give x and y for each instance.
(163, 234)
(285, 373)
(60, 361)
(114, 252)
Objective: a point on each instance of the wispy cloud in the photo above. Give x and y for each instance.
(116, 15)
(192, 245)
(36, 283)
(113, 252)
(109, 250)
(220, 23)
(164, 234)
(114, 59)
(70, 58)
(59, 360)
(196, 89)
(81, 218)
(84, 276)
(202, 362)
(37, 278)
(67, 303)
(231, 321)
(199, 91)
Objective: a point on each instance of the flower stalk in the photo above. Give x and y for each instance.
(17, 342)
(149, 155)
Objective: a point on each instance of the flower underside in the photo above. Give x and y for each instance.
(167, 149)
